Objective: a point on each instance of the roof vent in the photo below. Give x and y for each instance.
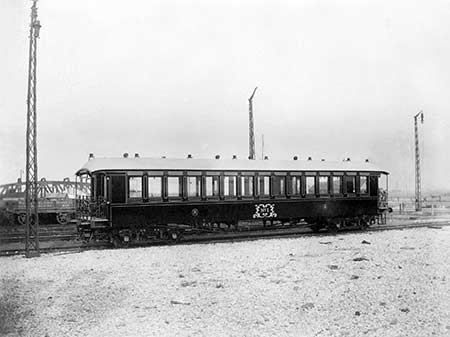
(217, 156)
(189, 156)
(125, 155)
(136, 155)
(367, 160)
(348, 159)
(295, 158)
(266, 158)
(322, 159)
(309, 158)
(91, 156)
(163, 157)
(234, 156)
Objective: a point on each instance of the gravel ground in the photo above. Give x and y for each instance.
(392, 283)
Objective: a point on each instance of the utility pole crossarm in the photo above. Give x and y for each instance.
(251, 97)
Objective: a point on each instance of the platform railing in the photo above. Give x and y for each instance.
(88, 208)
(383, 200)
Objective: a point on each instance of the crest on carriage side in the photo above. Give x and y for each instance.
(264, 211)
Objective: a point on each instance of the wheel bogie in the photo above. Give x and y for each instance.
(333, 225)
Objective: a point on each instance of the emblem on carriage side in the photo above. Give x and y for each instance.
(264, 211)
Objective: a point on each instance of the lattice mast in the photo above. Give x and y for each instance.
(251, 134)
(31, 189)
(418, 197)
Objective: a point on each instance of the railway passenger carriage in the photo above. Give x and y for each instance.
(135, 199)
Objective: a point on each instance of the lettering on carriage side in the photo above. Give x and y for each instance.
(264, 211)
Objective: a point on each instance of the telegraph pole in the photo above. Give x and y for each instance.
(31, 190)
(418, 201)
(251, 135)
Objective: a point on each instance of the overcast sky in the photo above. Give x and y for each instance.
(335, 79)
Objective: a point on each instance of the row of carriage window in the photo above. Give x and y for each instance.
(249, 186)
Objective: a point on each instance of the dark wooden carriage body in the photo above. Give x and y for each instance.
(146, 193)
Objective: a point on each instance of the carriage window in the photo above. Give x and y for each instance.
(212, 186)
(229, 186)
(310, 185)
(296, 185)
(174, 186)
(363, 185)
(247, 186)
(278, 185)
(323, 185)
(336, 185)
(135, 187)
(154, 187)
(194, 186)
(350, 184)
(263, 185)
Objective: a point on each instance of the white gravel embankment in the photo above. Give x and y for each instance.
(398, 285)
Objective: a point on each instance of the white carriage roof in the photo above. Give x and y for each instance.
(148, 164)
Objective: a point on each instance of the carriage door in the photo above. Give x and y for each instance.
(99, 186)
(373, 186)
(118, 186)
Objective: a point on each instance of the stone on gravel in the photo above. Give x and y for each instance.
(307, 306)
(178, 302)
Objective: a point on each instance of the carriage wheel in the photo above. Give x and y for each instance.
(22, 218)
(332, 228)
(86, 239)
(117, 242)
(316, 228)
(164, 234)
(8, 218)
(62, 218)
(363, 224)
(174, 237)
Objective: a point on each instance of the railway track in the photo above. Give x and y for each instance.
(56, 239)
(47, 232)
